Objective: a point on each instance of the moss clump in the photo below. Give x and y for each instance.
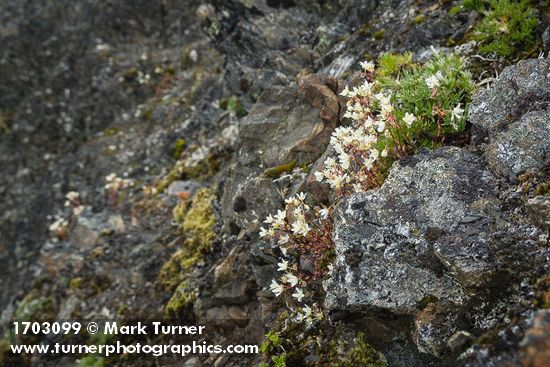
(35, 307)
(355, 354)
(111, 131)
(278, 171)
(233, 105)
(180, 211)
(198, 228)
(292, 344)
(419, 19)
(390, 64)
(507, 28)
(91, 361)
(92, 284)
(179, 145)
(181, 304)
(379, 35)
(201, 171)
(76, 283)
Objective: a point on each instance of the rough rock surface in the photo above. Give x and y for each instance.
(431, 245)
(512, 117)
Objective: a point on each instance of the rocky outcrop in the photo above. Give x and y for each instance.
(432, 244)
(511, 120)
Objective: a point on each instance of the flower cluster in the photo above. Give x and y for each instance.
(374, 134)
(59, 228)
(304, 236)
(73, 201)
(114, 185)
(385, 126)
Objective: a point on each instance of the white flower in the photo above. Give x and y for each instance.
(298, 294)
(269, 219)
(345, 92)
(319, 175)
(432, 82)
(110, 177)
(367, 66)
(330, 268)
(301, 196)
(291, 279)
(283, 265)
(266, 232)
(384, 153)
(282, 240)
(300, 227)
(409, 118)
(457, 113)
(73, 195)
(357, 187)
(276, 288)
(324, 213)
(284, 250)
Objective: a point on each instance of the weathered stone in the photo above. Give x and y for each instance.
(322, 93)
(538, 208)
(283, 126)
(177, 187)
(432, 245)
(513, 118)
(521, 145)
(384, 239)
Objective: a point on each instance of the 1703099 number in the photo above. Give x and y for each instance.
(27, 327)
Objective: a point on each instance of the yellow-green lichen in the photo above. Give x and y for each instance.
(278, 171)
(379, 35)
(198, 228)
(358, 353)
(181, 303)
(179, 145)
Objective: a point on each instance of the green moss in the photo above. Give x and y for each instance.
(454, 10)
(76, 283)
(35, 307)
(391, 64)
(379, 35)
(92, 284)
(201, 171)
(180, 211)
(91, 361)
(233, 105)
(198, 227)
(278, 171)
(507, 28)
(111, 131)
(359, 353)
(419, 19)
(543, 188)
(179, 145)
(130, 74)
(181, 303)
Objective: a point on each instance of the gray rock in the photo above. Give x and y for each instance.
(513, 119)
(384, 239)
(520, 146)
(538, 208)
(177, 187)
(430, 245)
